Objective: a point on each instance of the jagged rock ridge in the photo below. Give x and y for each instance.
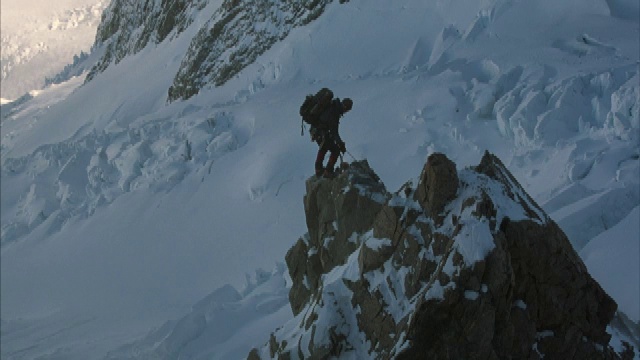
(128, 26)
(239, 32)
(464, 265)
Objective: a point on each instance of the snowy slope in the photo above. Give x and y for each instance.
(120, 211)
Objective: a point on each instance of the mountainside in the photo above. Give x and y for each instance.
(175, 166)
(129, 26)
(235, 36)
(460, 265)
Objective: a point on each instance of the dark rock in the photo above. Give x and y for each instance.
(438, 184)
(384, 276)
(335, 210)
(300, 265)
(230, 41)
(127, 27)
(224, 46)
(493, 167)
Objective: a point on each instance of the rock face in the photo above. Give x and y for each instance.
(239, 32)
(231, 39)
(464, 266)
(128, 26)
(439, 184)
(355, 202)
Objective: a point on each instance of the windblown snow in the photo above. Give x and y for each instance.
(120, 211)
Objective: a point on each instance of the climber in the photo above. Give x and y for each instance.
(325, 133)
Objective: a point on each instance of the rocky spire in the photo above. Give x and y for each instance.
(466, 265)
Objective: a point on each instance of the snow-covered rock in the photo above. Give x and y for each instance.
(129, 26)
(466, 265)
(235, 36)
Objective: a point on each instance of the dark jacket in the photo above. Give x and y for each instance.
(327, 130)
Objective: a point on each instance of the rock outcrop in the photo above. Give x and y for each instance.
(231, 38)
(129, 26)
(239, 32)
(463, 266)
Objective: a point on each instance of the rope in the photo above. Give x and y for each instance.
(353, 157)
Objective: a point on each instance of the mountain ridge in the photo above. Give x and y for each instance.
(128, 27)
(415, 274)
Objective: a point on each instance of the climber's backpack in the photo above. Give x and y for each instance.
(314, 105)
